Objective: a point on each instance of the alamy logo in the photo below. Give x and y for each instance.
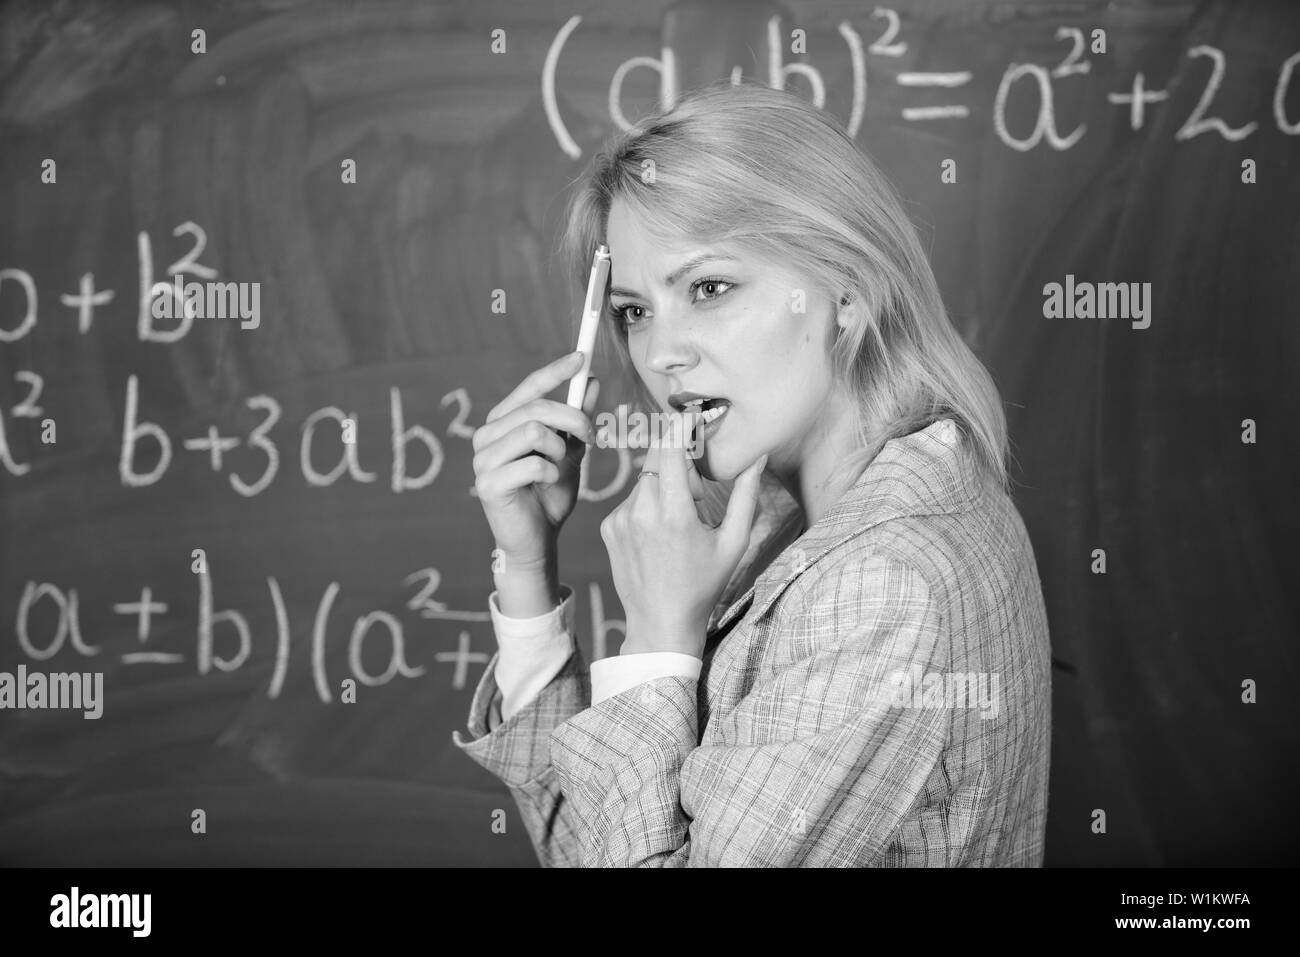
(102, 910)
(909, 688)
(627, 429)
(208, 300)
(1101, 300)
(35, 689)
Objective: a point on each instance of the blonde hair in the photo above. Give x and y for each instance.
(768, 172)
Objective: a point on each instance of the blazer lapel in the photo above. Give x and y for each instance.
(914, 474)
(726, 623)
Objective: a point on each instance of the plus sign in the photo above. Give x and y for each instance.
(214, 445)
(1138, 100)
(144, 608)
(463, 657)
(86, 301)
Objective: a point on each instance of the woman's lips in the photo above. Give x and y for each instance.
(707, 430)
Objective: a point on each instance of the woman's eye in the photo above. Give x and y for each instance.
(622, 313)
(702, 283)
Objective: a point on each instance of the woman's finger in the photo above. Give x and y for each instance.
(528, 438)
(537, 384)
(556, 415)
(674, 487)
(503, 482)
(739, 520)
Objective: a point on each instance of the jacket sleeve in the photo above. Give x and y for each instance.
(820, 765)
(522, 697)
(518, 752)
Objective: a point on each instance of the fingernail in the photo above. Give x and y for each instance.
(575, 355)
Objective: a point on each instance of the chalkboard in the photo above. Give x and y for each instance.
(232, 518)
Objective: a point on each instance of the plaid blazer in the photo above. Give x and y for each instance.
(824, 729)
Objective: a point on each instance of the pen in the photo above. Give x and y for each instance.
(591, 310)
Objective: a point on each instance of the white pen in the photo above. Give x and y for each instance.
(590, 321)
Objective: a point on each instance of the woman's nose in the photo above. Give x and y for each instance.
(669, 347)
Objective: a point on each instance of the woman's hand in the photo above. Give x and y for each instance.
(525, 472)
(669, 567)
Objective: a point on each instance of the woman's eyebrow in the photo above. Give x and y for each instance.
(676, 274)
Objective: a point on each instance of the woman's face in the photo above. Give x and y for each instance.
(736, 328)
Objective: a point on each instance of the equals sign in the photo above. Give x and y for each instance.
(946, 80)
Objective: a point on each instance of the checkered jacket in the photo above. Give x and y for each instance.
(800, 744)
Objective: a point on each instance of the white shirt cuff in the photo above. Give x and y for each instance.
(531, 650)
(613, 675)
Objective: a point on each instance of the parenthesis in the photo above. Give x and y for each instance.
(318, 642)
(282, 640)
(858, 59)
(548, 89)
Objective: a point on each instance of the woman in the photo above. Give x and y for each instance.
(853, 488)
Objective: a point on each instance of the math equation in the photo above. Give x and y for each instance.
(166, 313)
(224, 637)
(941, 96)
